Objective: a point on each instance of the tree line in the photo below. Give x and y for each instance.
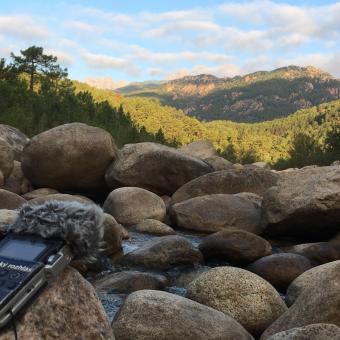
(36, 94)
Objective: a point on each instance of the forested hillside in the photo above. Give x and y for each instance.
(256, 97)
(273, 141)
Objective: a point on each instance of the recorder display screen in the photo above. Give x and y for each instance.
(22, 249)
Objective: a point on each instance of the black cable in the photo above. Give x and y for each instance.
(14, 325)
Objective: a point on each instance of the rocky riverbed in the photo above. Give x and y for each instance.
(195, 247)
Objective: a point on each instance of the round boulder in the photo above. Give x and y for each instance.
(10, 200)
(249, 299)
(15, 138)
(154, 227)
(317, 331)
(69, 306)
(280, 269)
(6, 158)
(237, 247)
(319, 303)
(130, 205)
(164, 252)
(309, 279)
(304, 204)
(73, 156)
(212, 213)
(155, 167)
(233, 181)
(155, 315)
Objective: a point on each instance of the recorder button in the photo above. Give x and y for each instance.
(52, 259)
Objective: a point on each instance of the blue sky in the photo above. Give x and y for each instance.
(111, 41)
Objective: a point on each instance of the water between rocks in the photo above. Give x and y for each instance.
(112, 300)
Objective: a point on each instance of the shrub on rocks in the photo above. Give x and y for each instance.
(280, 269)
(249, 299)
(131, 205)
(73, 156)
(155, 315)
(155, 167)
(164, 252)
(235, 246)
(233, 181)
(212, 213)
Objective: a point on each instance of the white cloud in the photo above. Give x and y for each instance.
(63, 57)
(83, 27)
(226, 70)
(22, 26)
(102, 62)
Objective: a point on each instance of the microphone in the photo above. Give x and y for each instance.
(79, 225)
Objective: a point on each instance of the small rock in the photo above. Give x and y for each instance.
(16, 182)
(219, 163)
(200, 148)
(10, 200)
(154, 227)
(7, 217)
(280, 269)
(164, 252)
(235, 246)
(113, 235)
(130, 205)
(39, 193)
(6, 158)
(15, 138)
(130, 281)
(61, 197)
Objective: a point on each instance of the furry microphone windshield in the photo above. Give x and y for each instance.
(79, 225)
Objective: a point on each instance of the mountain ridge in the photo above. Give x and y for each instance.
(254, 97)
